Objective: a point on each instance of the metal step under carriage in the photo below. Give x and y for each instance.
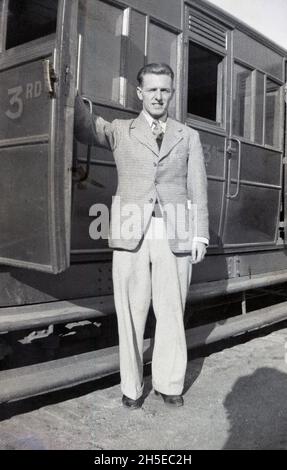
(36, 379)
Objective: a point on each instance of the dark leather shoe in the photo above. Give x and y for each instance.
(132, 404)
(171, 400)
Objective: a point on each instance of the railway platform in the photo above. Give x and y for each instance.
(235, 398)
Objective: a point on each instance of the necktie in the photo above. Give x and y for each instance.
(157, 132)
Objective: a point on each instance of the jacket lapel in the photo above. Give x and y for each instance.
(143, 133)
(173, 135)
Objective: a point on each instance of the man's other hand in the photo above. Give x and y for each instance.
(198, 251)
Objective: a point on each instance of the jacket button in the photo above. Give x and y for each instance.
(154, 164)
(151, 200)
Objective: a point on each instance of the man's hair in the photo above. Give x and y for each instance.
(156, 68)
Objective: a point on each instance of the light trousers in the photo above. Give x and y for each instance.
(154, 272)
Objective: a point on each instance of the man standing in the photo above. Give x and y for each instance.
(161, 174)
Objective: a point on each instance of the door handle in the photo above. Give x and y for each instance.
(230, 150)
(50, 77)
(89, 151)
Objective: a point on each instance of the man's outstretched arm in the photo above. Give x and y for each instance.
(91, 129)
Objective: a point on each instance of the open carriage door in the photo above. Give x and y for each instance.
(37, 76)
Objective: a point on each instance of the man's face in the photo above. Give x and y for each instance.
(156, 93)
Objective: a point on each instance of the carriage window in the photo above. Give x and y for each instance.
(29, 20)
(205, 83)
(101, 26)
(162, 47)
(272, 114)
(242, 101)
(136, 56)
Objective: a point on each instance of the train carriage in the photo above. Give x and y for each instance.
(229, 86)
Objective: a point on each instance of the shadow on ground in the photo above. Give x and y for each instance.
(257, 412)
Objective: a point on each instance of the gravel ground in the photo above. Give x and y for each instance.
(235, 398)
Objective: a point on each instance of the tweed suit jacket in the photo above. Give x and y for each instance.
(174, 175)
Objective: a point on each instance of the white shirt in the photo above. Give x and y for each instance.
(150, 121)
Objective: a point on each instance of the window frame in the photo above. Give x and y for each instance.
(220, 95)
(177, 67)
(3, 24)
(252, 104)
(122, 104)
(280, 117)
(275, 80)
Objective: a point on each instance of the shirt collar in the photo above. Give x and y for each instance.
(150, 120)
